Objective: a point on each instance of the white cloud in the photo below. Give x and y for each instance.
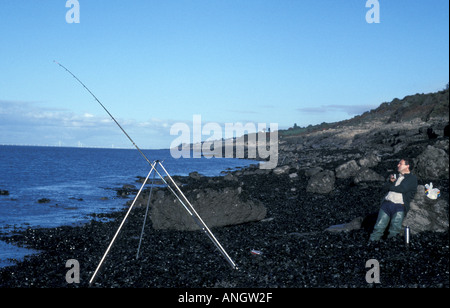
(30, 123)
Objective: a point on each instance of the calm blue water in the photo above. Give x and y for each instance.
(78, 182)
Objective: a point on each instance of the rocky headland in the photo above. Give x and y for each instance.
(309, 219)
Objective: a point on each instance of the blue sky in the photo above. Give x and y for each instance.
(156, 63)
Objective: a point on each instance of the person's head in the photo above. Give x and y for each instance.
(404, 166)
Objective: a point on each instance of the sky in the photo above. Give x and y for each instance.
(157, 63)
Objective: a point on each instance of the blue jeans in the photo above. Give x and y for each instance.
(389, 212)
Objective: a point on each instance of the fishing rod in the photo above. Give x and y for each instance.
(189, 208)
(123, 130)
(98, 101)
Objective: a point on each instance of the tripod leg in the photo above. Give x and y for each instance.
(145, 217)
(199, 220)
(120, 227)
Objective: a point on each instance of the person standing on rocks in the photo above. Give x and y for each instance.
(395, 205)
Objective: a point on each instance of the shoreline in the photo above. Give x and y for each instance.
(295, 251)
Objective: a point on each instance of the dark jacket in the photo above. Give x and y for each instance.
(408, 188)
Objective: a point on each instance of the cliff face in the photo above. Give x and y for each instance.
(418, 108)
(388, 129)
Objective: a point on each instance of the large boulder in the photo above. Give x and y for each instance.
(321, 182)
(347, 170)
(433, 163)
(367, 175)
(216, 207)
(427, 214)
(369, 161)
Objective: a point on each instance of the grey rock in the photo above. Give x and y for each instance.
(322, 182)
(433, 163)
(281, 170)
(427, 214)
(367, 175)
(347, 169)
(369, 161)
(216, 207)
(195, 175)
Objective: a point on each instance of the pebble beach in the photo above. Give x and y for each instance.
(294, 251)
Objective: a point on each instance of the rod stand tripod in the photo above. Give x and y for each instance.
(176, 191)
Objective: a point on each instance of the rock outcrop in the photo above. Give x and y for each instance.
(321, 182)
(217, 208)
(349, 169)
(427, 214)
(433, 163)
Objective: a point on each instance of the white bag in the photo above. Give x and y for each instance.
(432, 193)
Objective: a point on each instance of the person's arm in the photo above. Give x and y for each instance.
(409, 183)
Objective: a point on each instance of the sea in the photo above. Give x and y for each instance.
(76, 182)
